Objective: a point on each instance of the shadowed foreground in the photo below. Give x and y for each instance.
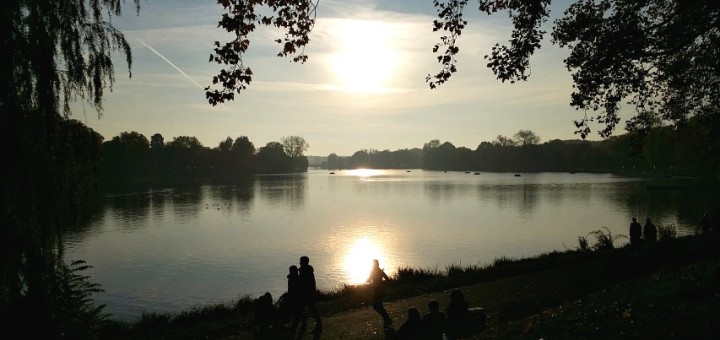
(564, 303)
(667, 291)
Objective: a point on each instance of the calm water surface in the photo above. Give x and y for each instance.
(166, 250)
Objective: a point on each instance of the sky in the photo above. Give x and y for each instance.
(363, 86)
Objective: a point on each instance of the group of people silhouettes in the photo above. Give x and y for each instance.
(648, 233)
(461, 321)
(458, 321)
(301, 296)
(638, 233)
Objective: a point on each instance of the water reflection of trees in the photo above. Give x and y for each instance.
(524, 196)
(186, 203)
(237, 197)
(283, 189)
(131, 211)
(666, 205)
(138, 210)
(438, 192)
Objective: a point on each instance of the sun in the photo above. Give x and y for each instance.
(366, 59)
(358, 260)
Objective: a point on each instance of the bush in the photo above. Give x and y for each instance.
(583, 244)
(667, 232)
(604, 239)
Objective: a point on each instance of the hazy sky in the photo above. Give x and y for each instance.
(363, 86)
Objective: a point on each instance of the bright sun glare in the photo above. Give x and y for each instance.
(364, 172)
(358, 260)
(366, 59)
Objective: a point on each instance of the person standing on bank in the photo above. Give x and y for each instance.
(294, 304)
(309, 291)
(635, 232)
(377, 281)
(650, 231)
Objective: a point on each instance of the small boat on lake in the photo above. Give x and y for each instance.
(517, 175)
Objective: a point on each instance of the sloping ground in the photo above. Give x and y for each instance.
(669, 290)
(568, 303)
(678, 304)
(664, 293)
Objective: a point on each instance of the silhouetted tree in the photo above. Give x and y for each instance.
(272, 159)
(294, 147)
(157, 142)
(52, 53)
(525, 137)
(360, 159)
(126, 154)
(158, 156)
(185, 143)
(431, 155)
(504, 141)
(225, 145)
(243, 153)
(187, 156)
(333, 162)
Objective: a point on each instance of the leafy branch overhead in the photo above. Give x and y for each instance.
(509, 63)
(451, 21)
(242, 18)
(661, 57)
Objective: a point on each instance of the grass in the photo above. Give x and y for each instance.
(599, 291)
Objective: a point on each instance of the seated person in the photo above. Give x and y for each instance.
(412, 328)
(434, 321)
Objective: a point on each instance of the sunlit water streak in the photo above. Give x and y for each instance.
(165, 250)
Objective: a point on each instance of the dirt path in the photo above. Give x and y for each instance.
(504, 300)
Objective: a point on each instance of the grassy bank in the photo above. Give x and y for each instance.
(594, 291)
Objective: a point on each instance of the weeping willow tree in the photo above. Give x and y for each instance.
(52, 52)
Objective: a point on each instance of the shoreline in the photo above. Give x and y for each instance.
(509, 289)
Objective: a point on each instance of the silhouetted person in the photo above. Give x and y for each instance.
(434, 322)
(377, 281)
(266, 317)
(294, 301)
(309, 291)
(650, 231)
(715, 220)
(635, 232)
(412, 328)
(458, 314)
(704, 223)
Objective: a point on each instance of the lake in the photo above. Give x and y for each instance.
(170, 249)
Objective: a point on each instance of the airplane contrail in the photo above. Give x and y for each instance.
(171, 64)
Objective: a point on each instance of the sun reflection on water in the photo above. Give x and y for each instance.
(357, 262)
(365, 172)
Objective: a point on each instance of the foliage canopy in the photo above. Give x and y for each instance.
(51, 52)
(661, 57)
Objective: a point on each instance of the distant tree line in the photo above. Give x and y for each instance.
(130, 156)
(661, 151)
(386, 159)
